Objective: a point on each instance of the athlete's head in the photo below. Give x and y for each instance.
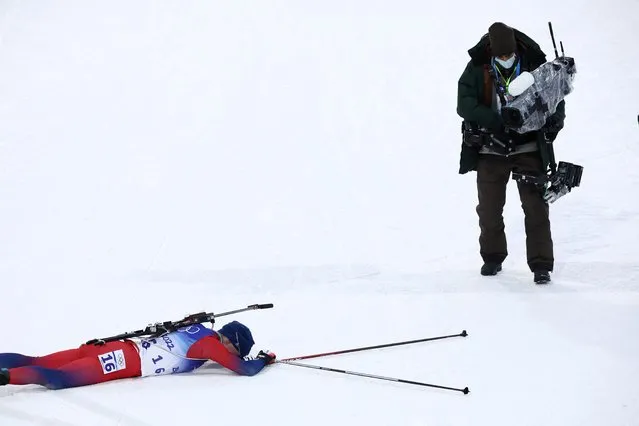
(237, 338)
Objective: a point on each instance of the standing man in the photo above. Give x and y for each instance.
(495, 151)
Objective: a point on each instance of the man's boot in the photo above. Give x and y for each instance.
(490, 268)
(541, 276)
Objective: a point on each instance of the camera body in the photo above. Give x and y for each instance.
(557, 184)
(551, 83)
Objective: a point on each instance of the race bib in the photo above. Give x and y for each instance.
(112, 361)
(167, 354)
(157, 357)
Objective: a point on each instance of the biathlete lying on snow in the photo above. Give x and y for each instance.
(180, 351)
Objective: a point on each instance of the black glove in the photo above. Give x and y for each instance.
(268, 357)
(551, 128)
(512, 117)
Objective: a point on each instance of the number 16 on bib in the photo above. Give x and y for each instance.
(112, 361)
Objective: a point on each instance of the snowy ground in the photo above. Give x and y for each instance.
(161, 158)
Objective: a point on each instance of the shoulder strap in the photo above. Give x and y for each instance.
(488, 86)
(491, 73)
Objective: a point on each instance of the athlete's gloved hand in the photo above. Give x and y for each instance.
(267, 356)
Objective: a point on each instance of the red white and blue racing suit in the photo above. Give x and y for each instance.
(178, 352)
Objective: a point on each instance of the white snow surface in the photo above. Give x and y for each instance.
(162, 158)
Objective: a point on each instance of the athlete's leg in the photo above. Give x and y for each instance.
(54, 360)
(115, 360)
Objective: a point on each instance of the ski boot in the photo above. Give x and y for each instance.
(4, 376)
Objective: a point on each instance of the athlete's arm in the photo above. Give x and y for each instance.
(211, 348)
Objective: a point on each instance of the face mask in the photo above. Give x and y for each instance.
(508, 63)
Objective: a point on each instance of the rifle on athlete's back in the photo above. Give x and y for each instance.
(161, 328)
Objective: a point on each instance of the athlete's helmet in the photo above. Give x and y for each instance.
(239, 335)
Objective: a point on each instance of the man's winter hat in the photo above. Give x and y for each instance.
(239, 335)
(502, 39)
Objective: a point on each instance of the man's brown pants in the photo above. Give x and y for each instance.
(493, 173)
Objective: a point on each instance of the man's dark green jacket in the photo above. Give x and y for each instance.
(474, 95)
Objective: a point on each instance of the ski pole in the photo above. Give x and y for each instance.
(373, 376)
(387, 345)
